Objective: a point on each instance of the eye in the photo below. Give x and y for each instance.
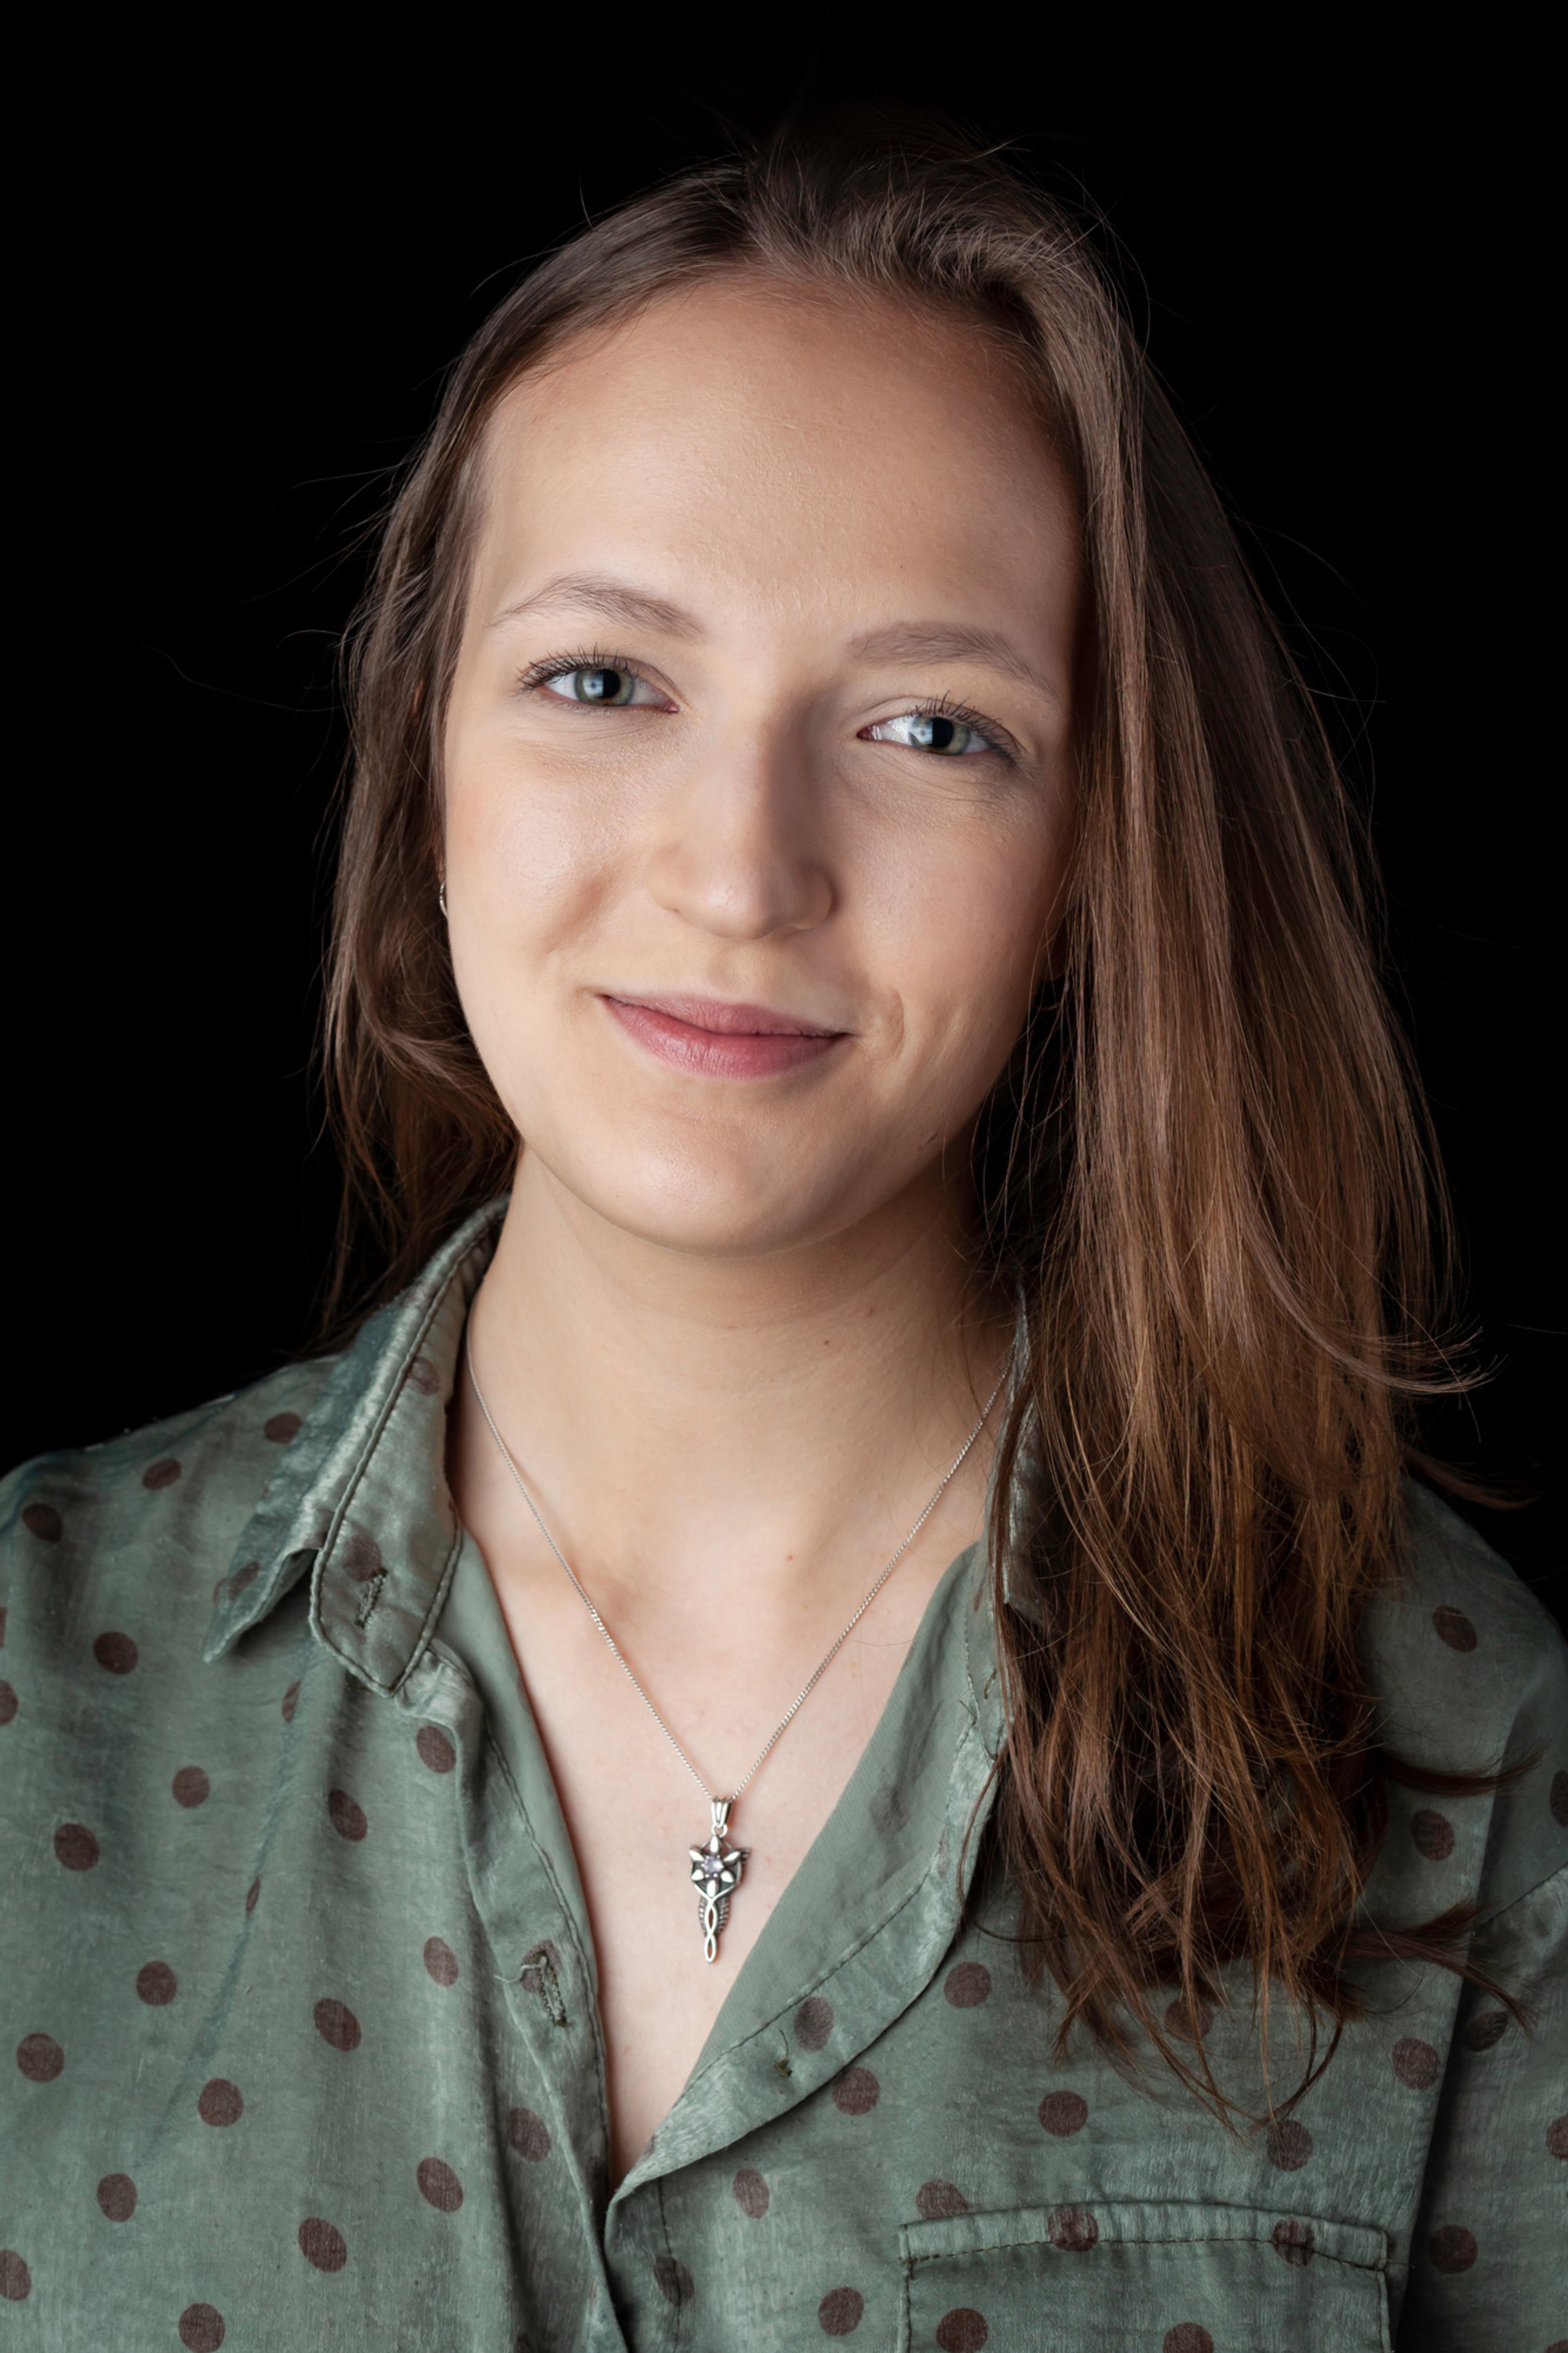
(605, 684)
(948, 734)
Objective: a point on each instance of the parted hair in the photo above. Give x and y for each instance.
(1205, 1177)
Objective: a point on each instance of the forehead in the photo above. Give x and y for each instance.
(776, 431)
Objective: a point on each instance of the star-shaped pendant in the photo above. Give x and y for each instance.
(716, 1871)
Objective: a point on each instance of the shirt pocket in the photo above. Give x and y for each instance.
(1142, 2278)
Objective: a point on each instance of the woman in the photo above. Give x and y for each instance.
(836, 1719)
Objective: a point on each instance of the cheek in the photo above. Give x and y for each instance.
(527, 862)
(967, 931)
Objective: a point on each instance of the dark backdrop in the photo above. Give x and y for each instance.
(244, 291)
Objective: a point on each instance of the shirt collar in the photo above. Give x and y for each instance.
(361, 1500)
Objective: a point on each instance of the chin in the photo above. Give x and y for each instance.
(725, 1210)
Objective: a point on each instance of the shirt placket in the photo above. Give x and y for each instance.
(545, 1981)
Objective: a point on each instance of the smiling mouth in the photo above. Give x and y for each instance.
(711, 1038)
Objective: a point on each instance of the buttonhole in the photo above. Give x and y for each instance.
(539, 1977)
(369, 1599)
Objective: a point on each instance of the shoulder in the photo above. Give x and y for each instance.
(161, 1503)
(1469, 1676)
(1458, 1649)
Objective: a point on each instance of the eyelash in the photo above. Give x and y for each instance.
(944, 706)
(539, 673)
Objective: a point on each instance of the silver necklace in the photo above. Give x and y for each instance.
(716, 1865)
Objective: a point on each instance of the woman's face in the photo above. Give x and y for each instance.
(758, 765)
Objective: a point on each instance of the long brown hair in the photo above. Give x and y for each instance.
(1206, 1176)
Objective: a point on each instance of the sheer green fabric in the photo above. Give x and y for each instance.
(299, 1993)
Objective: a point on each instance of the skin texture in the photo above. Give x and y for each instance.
(728, 1332)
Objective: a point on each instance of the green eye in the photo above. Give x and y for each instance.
(599, 685)
(931, 731)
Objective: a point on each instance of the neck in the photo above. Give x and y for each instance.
(683, 1420)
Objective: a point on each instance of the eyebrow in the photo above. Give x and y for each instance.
(613, 600)
(911, 642)
(923, 641)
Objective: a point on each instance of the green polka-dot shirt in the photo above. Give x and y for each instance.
(301, 2045)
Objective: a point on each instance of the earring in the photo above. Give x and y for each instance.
(441, 898)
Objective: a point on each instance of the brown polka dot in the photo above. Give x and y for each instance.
(1433, 1834)
(840, 2311)
(323, 2244)
(1187, 2337)
(423, 1377)
(44, 1522)
(937, 2200)
(529, 2135)
(1180, 2019)
(750, 2193)
(1485, 2030)
(243, 1577)
(220, 2102)
(290, 1701)
(440, 1960)
(673, 2281)
(16, 2279)
(40, 2058)
(962, 2330)
(251, 1893)
(1415, 2063)
(1454, 1628)
(117, 2197)
(201, 2328)
(1558, 1798)
(1063, 2113)
(280, 1427)
(156, 1984)
(1557, 2137)
(888, 1812)
(1452, 2249)
(336, 2024)
(1073, 2228)
(75, 1846)
(348, 1819)
(438, 2185)
(813, 2023)
(967, 1985)
(1296, 2241)
(856, 2092)
(434, 1749)
(162, 1474)
(1288, 2145)
(362, 1558)
(191, 1787)
(118, 1652)
(7, 1703)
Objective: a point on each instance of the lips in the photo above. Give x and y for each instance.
(712, 1038)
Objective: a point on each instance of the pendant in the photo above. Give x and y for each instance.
(716, 1871)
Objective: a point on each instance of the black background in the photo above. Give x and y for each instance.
(242, 286)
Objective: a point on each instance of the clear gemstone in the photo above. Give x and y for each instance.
(711, 1866)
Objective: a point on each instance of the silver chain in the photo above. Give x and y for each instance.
(619, 1656)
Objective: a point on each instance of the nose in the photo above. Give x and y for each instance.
(738, 853)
